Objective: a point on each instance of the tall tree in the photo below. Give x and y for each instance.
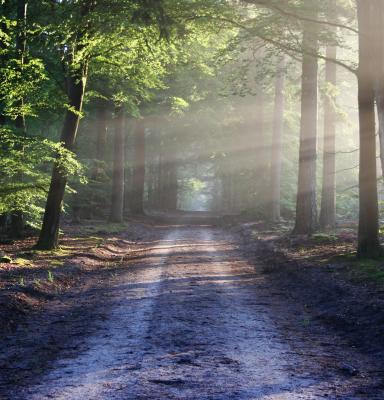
(172, 186)
(262, 159)
(370, 33)
(379, 80)
(17, 219)
(101, 128)
(75, 63)
(306, 206)
(117, 203)
(277, 144)
(328, 196)
(138, 179)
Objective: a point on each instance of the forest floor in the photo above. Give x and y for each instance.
(186, 308)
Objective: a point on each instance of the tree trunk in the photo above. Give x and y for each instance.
(328, 195)
(117, 203)
(306, 208)
(151, 185)
(277, 144)
(138, 183)
(161, 180)
(260, 154)
(172, 186)
(76, 79)
(5, 10)
(379, 79)
(225, 185)
(380, 113)
(101, 137)
(50, 230)
(158, 165)
(368, 234)
(17, 218)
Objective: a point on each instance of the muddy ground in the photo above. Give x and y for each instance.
(173, 309)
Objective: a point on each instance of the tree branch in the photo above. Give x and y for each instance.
(287, 49)
(300, 17)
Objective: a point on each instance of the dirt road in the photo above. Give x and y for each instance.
(192, 319)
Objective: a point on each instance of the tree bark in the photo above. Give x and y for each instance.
(151, 185)
(49, 234)
(17, 218)
(161, 181)
(379, 79)
(328, 196)
(261, 155)
(380, 114)
(368, 233)
(172, 186)
(76, 79)
(102, 111)
(3, 119)
(138, 182)
(5, 11)
(306, 207)
(277, 144)
(117, 203)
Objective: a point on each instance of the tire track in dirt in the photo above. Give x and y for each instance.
(98, 371)
(194, 320)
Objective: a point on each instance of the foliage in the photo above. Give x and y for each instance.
(30, 158)
(200, 72)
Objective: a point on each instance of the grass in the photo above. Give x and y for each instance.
(36, 282)
(5, 259)
(372, 270)
(62, 251)
(108, 228)
(255, 235)
(22, 262)
(50, 277)
(99, 241)
(57, 263)
(324, 237)
(369, 270)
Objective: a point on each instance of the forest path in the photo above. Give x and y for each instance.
(192, 319)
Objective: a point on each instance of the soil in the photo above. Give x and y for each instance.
(323, 274)
(185, 309)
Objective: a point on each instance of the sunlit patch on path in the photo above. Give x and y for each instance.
(194, 320)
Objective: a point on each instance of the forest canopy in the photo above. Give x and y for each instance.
(268, 109)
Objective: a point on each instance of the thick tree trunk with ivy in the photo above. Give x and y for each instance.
(117, 202)
(277, 145)
(306, 208)
(138, 181)
(49, 234)
(328, 196)
(369, 37)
